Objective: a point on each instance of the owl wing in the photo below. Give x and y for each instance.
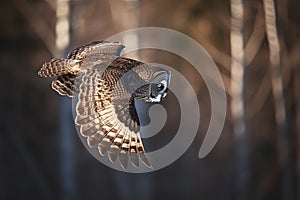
(66, 70)
(97, 47)
(65, 85)
(107, 121)
(107, 118)
(58, 66)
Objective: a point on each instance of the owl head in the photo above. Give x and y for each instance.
(148, 82)
(158, 85)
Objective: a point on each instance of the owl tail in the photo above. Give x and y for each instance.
(56, 67)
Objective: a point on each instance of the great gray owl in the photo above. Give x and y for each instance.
(106, 87)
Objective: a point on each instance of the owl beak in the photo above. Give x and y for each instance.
(165, 93)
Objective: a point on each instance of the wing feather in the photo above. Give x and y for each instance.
(124, 152)
(96, 48)
(141, 152)
(56, 67)
(116, 146)
(108, 139)
(94, 140)
(108, 124)
(133, 150)
(65, 85)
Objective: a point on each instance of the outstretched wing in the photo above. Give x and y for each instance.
(106, 114)
(59, 66)
(96, 47)
(81, 58)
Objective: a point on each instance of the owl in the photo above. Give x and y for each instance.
(105, 87)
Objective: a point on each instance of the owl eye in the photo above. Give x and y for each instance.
(160, 86)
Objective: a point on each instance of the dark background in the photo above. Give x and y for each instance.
(35, 163)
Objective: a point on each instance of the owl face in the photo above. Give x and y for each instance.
(156, 87)
(159, 87)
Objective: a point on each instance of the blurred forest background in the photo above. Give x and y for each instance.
(41, 156)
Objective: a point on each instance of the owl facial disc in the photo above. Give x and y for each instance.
(159, 86)
(158, 91)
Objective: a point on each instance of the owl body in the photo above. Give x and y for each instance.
(105, 86)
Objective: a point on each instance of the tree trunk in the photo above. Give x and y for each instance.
(279, 102)
(238, 99)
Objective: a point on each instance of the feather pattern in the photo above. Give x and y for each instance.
(100, 121)
(105, 86)
(56, 67)
(65, 85)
